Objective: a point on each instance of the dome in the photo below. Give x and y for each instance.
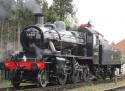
(60, 25)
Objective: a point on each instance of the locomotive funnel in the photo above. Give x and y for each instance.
(38, 18)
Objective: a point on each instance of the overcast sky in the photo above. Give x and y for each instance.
(107, 16)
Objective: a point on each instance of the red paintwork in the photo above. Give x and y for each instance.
(26, 65)
(40, 65)
(10, 65)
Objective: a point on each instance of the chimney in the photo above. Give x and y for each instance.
(38, 18)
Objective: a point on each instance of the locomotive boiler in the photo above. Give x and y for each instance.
(52, 54)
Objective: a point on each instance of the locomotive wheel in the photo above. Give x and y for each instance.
(15, 78)
(75, 76)
(86, 74)
(62, 73)
(62, 79)
(42, 79)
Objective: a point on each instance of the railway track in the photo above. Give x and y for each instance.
(48, 88)
(21, 88)
(117, 89)
(62, 87)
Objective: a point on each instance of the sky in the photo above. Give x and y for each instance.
(106, 16)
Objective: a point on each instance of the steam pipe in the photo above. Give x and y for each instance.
(52, 46)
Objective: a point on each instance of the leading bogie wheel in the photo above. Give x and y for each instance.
(15, 78)
(42, 79)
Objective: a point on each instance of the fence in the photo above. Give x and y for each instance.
(4, 75)
(9, 42)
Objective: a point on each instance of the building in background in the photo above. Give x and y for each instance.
(121, 46)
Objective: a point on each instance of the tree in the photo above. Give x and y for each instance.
(5, 8)
(45, 10)
(49, 14)
(63, 8)
(14, 17)
(52, 15)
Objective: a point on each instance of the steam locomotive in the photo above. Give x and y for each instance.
(52, 54)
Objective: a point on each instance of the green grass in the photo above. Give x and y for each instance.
(5, 83)
(100, 87)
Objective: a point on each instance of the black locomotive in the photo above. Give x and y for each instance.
(52, 54)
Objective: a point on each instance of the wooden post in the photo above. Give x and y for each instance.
(1, 39)
(18, 36)
(8, 32)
